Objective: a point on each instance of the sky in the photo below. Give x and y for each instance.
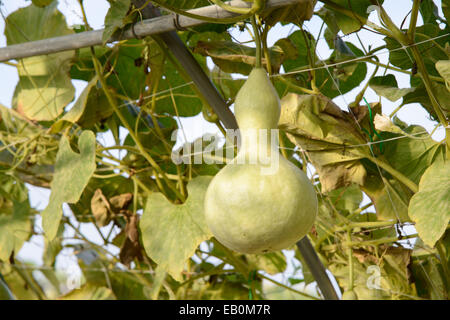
(195, 127)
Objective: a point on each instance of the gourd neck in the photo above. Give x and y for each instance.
(255, 142)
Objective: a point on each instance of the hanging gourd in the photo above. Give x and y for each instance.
(259, 202)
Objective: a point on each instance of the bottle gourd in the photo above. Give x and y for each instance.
(259, 206)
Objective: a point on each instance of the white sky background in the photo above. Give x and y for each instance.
(195, 126)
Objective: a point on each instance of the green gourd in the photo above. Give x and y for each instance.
(259, 206)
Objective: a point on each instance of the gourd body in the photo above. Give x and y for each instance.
(259, 206)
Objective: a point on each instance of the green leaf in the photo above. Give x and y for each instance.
(300, 59)
(5, 292)
(128, 73)
(351, 24)
(430, 207)
(15, 227)
(72, 174)
(236, 58)
(403, 58)
(329, 18)
(446, 10)
(429, 11)
(272, 263)
(426, 269)
(44, 87)
(83, 66)
(387, 87)
(296, 13)
(171, 233)
(42, 3)
(345, 77)
(389, 196)
(169, 88)
(91, 107)
(115, 17)
(420, 95)
(52, 249)
(413, 154)
(443, 67)
(226, 85)
(20, 280)
(306, 272)
(347, 198)
(90, 292)
(185, 4)
(160, 275)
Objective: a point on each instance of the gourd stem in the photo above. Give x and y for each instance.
(257, 42)
(350, 262)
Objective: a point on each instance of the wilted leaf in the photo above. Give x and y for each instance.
(131, 248)
(430, 207)
(110, 187)
(384, 123)
(101, 209)
(375, 277)
(322, 129)
(72, 174)
(121, 201)
(171, 233)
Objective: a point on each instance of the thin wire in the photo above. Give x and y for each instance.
(357, 123)
(356, 59)
(344, 146)
(298, 71)
(27, 267)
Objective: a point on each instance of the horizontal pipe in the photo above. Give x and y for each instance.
(143, 28)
